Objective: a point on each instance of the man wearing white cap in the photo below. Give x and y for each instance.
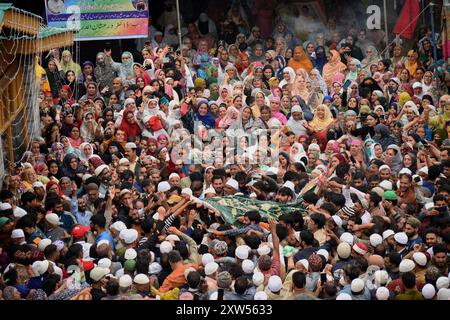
(102, 172)
(130, 154)
(54, 231)
(231, 187)
(401, 241)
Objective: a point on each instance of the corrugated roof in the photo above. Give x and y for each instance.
(3, 8)
(51, 31)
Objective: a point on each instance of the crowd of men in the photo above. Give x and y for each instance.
(111, 202)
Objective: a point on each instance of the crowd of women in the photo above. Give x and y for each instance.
(110, 202)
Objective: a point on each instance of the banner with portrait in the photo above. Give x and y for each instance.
(100, 19)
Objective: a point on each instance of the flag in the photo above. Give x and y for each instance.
(445, 32)
(408, 16)
(231, 207)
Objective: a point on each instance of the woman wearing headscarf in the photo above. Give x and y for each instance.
(300, 60)
(246, 121)
(296, 123)
(288, 76)
(126, 72)
(231, 116)
(105, 71)
(206, 26)
(72, 167)
(333, 67)
(55, 76)
(299, 87)
(412, 62)
(393, 158)
(320, 124)
(224, 94)
(54, 169)
(90, 129)
(317, 82)
(86, 151)
(320, 58)
(372, 57)
(383, 136)
(130, 125)
(92, 92)
(67, 63)
(307, 113)
(202, 114)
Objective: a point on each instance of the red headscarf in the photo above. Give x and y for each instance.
(52, 183)
(130, 129)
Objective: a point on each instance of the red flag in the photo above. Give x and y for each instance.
(408, 15)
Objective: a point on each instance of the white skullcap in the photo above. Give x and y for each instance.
(406, 265)
(263, 249)
(405, 170)
(429, 205)
(104, 263)
(163, 186)
(154, 268)
(174, 175)
(323, 253)
(210, 268)
(43, 244)
(381, 277)
(17, 234)
(141, 279)
(375, 239)
(384, 166)
(296, 108)
(382, 293)
(125, 281)
(18, 212)
(442, 282)
(428, 291)
(130, 254)
(344, 296)
(130, 145)
(129, 235)
(337, 220)
(172, 237)
(258, 278)
(187, 191)
(347, 237)
(165, 247)
(386, 185)
(242, 252)
(248, 266)
(305, 263)
(420, 258)
(290, 185)
(357, 285)
(260, 295)
(401, 238)
(119, 226)
(207, 258)
(233, 184)
(443, 294)
(275, 283)
(387, 234)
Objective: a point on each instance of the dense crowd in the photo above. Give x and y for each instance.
(110, 202)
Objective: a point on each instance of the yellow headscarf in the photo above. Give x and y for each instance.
(403, 98)
(321, 124)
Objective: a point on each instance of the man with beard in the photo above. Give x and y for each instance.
(54, 204)
(125, 212)
(103, 174)
(440, 258)
(79, 210)
(411, 230)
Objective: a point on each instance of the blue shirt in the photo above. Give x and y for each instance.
(105, 235)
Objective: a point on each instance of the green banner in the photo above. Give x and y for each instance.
(231, 207)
